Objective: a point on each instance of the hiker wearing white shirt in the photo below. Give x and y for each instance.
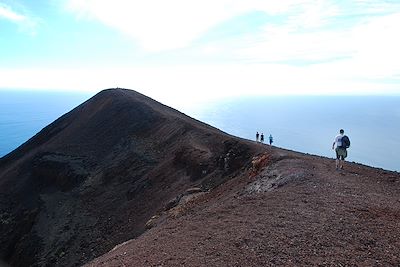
(342, 142)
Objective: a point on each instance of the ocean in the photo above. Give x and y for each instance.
(309, 124)
(302, 123)
(25, 113)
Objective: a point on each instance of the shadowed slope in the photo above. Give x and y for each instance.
(94, 177)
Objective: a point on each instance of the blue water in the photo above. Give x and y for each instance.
(305, 124)
(25, 113)
(309, 124)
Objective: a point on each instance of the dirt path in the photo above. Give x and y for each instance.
(298, 211)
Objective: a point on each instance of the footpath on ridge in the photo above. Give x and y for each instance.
(293, 210)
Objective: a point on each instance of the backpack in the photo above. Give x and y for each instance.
(345, 141)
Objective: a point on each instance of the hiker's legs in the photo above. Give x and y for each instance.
(341, 162)
(337, 159)
(340, 156)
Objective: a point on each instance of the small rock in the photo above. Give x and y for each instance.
(193, 190)
(152, 222)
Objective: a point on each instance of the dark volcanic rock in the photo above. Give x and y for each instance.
(95, 176)
(63, 172)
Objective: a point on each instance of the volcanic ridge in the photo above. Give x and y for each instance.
(122, 180)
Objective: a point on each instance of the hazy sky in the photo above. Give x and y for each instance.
(198, 49)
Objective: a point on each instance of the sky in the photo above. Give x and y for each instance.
(200, 50)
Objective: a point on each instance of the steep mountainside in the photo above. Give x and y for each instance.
(94, 177)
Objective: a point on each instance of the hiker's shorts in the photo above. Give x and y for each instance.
(341, 153)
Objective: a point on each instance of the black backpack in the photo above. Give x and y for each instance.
(345, 141)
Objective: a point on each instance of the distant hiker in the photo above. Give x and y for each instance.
(262, 138)
(257, 135)
(342, 142)
(271, 139)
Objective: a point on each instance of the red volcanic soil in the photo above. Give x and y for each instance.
(141, 184)
(296, 210)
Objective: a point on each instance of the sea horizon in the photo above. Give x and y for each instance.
(306, 124)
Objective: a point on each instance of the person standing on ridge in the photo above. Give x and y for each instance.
(257, 135)
(262, 138)
(342, 142)
(271, 139)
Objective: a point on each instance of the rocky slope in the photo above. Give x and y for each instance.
(93, 178)
(290, 210)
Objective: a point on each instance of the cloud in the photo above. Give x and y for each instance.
(377, 43)
(182, 84)
(339, 46)
(309, 31)
(162, 25)
(25, 22)
(7, 13)
(307, 47)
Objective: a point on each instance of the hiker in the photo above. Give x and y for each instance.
(262, 138)
(271, 140)
(342, 142)
(257, 135)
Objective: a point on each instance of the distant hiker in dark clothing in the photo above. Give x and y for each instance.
(262, 138)
(342, 142)
(271, 140)
(257, 135)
